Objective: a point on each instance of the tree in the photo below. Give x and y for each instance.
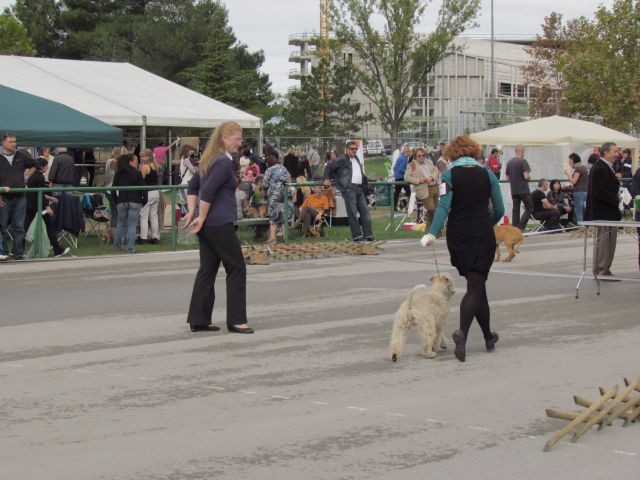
(14, 39)
(227, 71)
(389, 64)
(542, 73)
(321, 106)
(39, 17)
(601, 64)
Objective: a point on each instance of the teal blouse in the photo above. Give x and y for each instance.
(442, 212)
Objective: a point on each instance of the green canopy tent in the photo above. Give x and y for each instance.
(38, 121)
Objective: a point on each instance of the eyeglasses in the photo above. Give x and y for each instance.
(353, 149)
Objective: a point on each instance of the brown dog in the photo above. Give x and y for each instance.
(256, 212)
(512, 238)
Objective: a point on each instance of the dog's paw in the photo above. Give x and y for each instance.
(431, 354)
(394, 357)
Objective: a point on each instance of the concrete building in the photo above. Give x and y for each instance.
(456, 96)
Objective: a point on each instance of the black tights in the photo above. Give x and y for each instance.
(475, 304)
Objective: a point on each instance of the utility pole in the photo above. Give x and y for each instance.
(442, 130)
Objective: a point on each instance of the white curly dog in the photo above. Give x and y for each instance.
(427, 310)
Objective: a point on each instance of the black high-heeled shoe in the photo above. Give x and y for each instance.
(234, 329)
(204, 328)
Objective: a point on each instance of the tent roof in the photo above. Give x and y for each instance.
(118, 93)
(38, 121)
(554, 130)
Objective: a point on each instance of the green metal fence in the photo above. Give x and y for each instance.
(388, 186)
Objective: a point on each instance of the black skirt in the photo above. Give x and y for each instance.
(472, 247)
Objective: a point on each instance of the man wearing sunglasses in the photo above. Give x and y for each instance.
(351, 182)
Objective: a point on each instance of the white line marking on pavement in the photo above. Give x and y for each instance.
(278, 397)
(318, 403)
(212, 387)
(84, 371)
(392, 414)
(622, 452)
(482, 429)
(15, 365)
(248, 392)
(358, 409)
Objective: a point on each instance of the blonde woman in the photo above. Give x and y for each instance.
(149, 212)
(215, 182)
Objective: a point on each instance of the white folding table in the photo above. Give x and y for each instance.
(598, 223)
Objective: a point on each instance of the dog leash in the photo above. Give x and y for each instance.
(433, 247)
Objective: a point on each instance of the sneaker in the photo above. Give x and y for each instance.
(358, 239)
(491, 343)
(18, 257)
(154, 241)
(4, 258)
(460, 341)
(370, 238)
(63, 253)
(141, 241)
(131, 250)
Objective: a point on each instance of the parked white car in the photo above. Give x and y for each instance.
(374, 147)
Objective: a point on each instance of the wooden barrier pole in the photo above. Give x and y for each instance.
(605, 411)
(580, 418)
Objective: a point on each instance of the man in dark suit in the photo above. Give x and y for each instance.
(603, 204)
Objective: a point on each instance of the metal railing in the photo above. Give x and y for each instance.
(40, 191)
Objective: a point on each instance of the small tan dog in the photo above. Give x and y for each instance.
(256, 212)
(512, 238)
(427, 310)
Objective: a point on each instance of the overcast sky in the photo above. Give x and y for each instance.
(267, 24)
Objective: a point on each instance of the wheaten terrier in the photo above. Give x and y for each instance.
(427, 310)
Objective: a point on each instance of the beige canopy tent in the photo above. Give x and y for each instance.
(552, 131)
(548, 143)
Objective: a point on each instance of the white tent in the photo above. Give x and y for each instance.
(552, 131)
(548, 143)
(118, 93)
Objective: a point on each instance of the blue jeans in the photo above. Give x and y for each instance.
(579, 200)
(355, 202)
(14, 211)
(128, 215)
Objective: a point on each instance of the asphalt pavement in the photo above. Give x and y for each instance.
(100, 377)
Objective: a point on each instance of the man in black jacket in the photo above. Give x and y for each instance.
(351, 182)
(13, 206)
(603, 204)
(62, 172)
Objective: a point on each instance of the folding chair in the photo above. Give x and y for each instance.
(411, 205)
(537, 225)
(95, 215)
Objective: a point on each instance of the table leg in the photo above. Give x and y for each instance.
(584, 260)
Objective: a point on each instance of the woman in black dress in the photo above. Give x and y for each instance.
(465, 193)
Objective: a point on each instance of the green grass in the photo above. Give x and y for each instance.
(376, 168)
(93, 246)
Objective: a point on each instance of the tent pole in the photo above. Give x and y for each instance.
(260, 137)
(143, 133)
